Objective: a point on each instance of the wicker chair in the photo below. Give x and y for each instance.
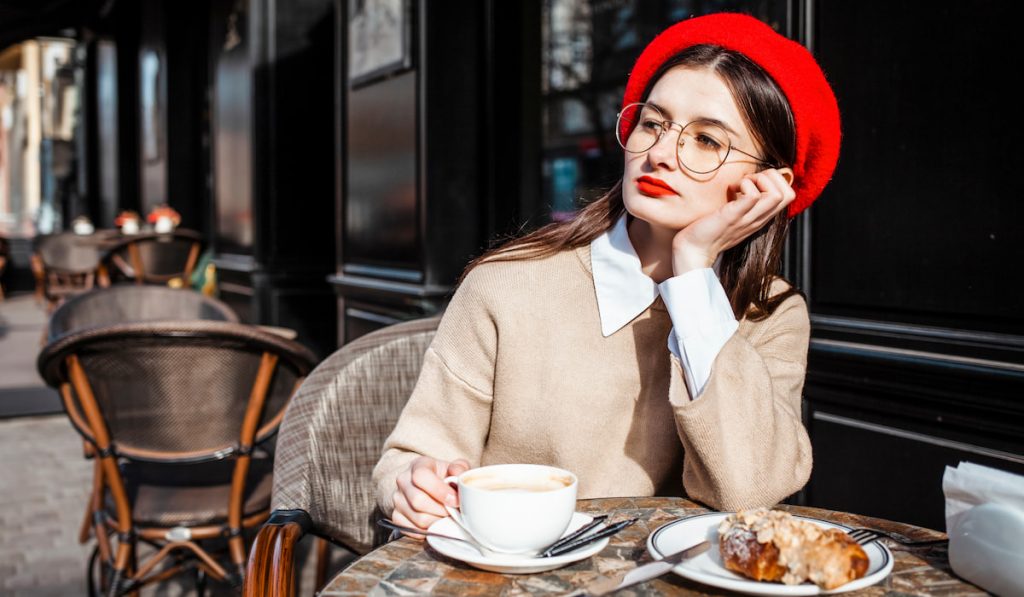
(181, 416)
(155, 258)
(124, 304)
(330, 440)
(65, 264)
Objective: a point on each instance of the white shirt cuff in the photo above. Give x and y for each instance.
(702, 322)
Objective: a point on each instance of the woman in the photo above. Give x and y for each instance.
(647, 345)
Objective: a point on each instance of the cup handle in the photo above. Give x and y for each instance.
(453, 481)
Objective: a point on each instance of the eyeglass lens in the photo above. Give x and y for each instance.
(702, 146)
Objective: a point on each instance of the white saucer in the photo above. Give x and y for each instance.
(510, 564)
(707, 568)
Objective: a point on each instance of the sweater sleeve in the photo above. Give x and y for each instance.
(448, 414)
(745, 444)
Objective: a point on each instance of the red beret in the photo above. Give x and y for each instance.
(791, 66)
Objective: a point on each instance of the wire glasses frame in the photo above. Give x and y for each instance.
(703, 146)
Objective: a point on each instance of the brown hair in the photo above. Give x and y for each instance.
(748, 268)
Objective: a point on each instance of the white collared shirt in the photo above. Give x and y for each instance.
(702, 318)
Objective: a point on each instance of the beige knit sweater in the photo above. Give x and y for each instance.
(519, 372)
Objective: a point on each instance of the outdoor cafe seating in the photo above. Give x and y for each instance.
(181, 416)
(130, 303)
(64, 265)
(67, 264)
(330, 441)
(154, 257)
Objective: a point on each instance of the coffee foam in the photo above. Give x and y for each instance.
(532, 484)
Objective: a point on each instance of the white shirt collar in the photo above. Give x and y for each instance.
(623, 289)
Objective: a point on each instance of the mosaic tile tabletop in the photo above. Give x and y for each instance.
(410, 567)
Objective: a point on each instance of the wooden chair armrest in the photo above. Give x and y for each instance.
(271, 568)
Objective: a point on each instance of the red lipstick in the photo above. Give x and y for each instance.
(654, 187)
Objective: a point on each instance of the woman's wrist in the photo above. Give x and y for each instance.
(685, 260)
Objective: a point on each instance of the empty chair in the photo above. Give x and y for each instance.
(65, 264)
(125, 303)
(181, 416)
(155, 258)
(330, 440)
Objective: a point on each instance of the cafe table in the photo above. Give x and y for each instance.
(409, 567)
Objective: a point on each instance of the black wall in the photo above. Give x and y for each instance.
(436, 158)
(912, 258)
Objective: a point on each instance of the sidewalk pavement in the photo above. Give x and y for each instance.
(22, 392)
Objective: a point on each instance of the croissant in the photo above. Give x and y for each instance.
(771, 545)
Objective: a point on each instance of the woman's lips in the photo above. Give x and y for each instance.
(653, 187)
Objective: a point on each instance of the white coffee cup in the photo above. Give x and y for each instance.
(515, 508)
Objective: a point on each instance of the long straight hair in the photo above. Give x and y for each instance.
(747, 270)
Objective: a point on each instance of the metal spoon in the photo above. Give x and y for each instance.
(487, 553)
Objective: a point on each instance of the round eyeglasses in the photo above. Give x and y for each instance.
(703, 146)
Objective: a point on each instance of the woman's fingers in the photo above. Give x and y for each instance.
(411, 486)
(459, 466)
(405, 516)
(421, 492)
(748, 189)
(773, 193)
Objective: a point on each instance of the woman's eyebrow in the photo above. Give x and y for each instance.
(704, 119)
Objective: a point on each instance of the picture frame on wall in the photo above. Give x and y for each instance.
(379, 40)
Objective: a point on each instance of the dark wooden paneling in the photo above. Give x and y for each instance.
(187, 154)
(381, 215)
(309, 309)
(235, 282)
(452, 131)
(152, 65)
(361, 318)
(918, 225)
(108, 167)
(885, 471)
(232, 135)
(961, 399)
(884, 422)
(126, 26)
(437, 158)
(917, 351)
(299, 178)
(272, 158)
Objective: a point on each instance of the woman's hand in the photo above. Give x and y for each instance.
(759, 198)
(422, 493)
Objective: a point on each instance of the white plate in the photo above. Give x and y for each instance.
(707, 568)
(510, 564)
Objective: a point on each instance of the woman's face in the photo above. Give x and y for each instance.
(684, 95)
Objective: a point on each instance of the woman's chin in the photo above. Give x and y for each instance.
(663, 212)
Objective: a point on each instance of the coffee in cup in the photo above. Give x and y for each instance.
(515, 508)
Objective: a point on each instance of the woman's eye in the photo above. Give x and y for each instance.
(707, 141)
(651, 125)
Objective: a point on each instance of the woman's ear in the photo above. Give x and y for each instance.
(787, 173)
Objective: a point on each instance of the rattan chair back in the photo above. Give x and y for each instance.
(336, 425)
(67, 252)
(207, 394)
(155, 258)
(65, 264)
(173, 391)
(128, 304)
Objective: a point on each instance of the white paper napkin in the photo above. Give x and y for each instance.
(971, 485)
(985, 521)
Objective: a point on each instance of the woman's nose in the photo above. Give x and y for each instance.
(663, 153)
